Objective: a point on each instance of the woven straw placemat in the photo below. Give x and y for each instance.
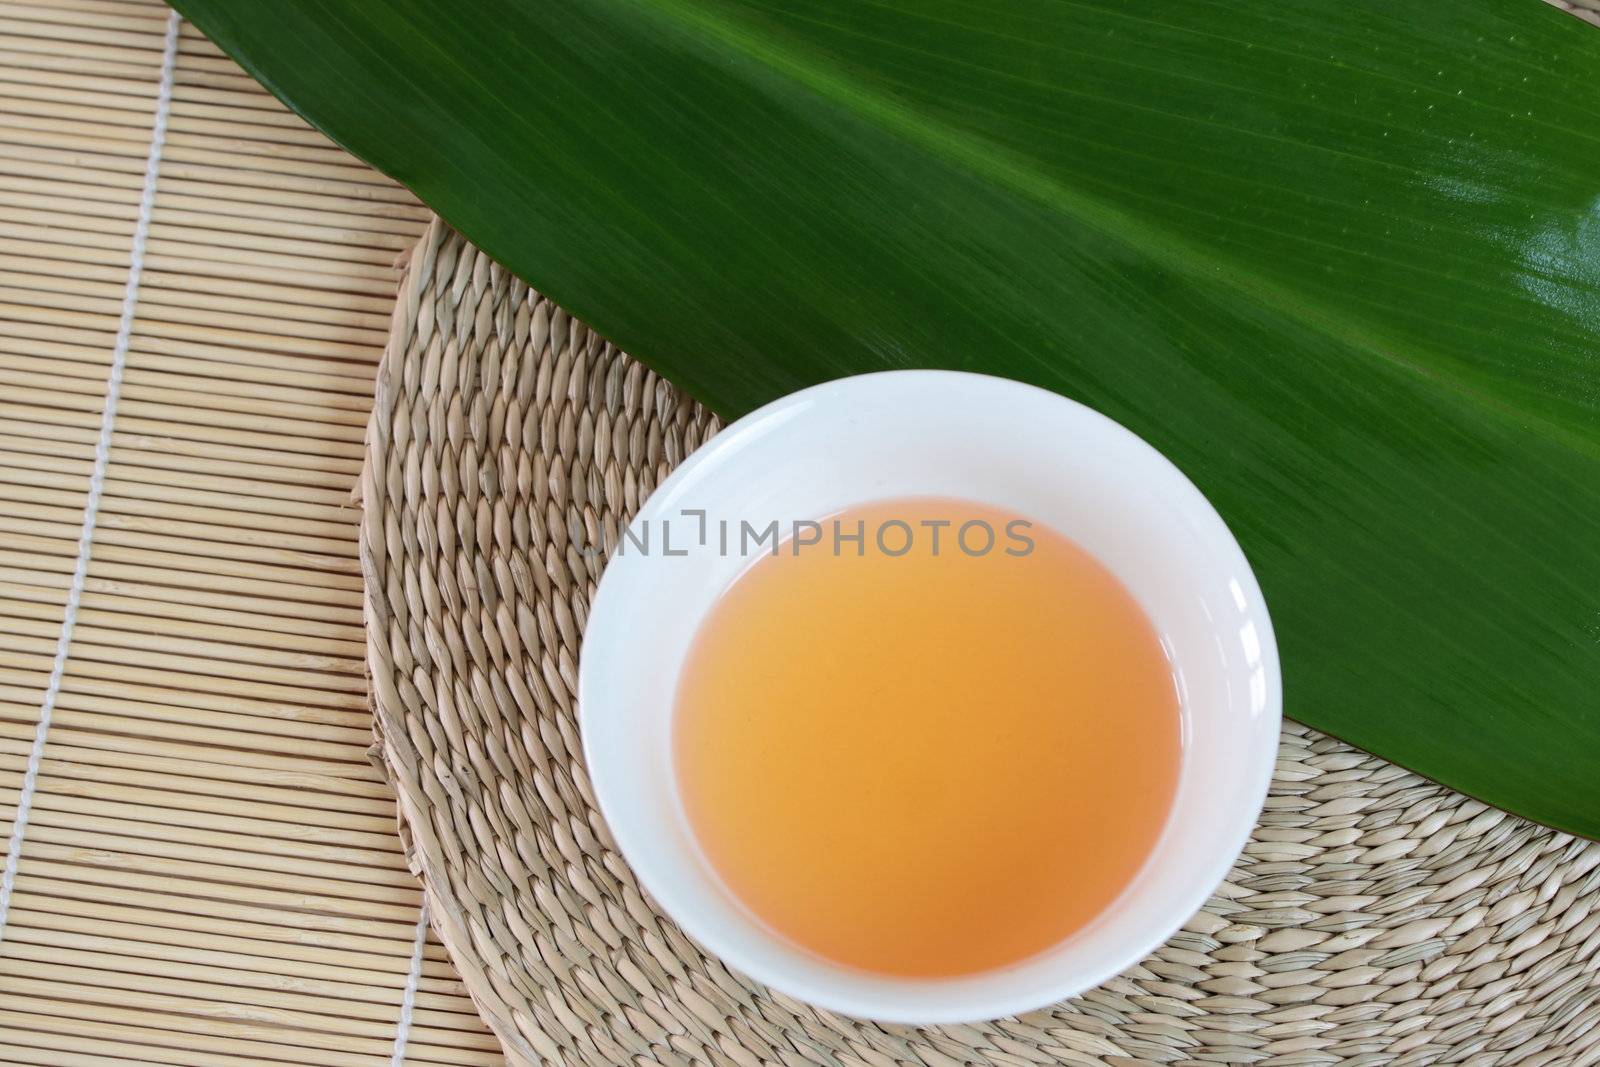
(1374, 917)
(206, 869)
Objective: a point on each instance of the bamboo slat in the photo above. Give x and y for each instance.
(209, 871)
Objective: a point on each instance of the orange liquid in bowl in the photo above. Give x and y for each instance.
(927, 764)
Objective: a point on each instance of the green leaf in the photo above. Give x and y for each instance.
(1339, 259)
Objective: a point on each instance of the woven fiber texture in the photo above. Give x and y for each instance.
(1374, 917)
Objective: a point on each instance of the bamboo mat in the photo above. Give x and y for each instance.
(1588, 10)
(208, 872)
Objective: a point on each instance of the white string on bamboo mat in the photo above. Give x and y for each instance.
(408, 1001)
(102, 458)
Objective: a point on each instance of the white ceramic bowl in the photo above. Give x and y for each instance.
(935, 433)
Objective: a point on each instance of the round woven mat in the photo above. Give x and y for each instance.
(1374, 917)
